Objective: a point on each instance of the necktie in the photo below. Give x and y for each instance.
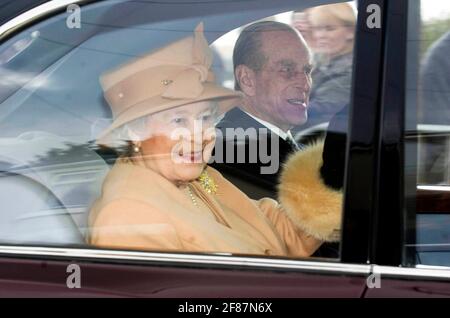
(290, 140)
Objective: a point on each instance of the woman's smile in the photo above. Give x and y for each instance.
(192, 157)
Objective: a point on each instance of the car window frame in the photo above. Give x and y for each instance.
(389, 224)
(361, 173)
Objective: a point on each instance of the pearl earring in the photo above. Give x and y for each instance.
(136, 148)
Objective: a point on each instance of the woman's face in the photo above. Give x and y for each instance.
(331, 37)
(181, 142)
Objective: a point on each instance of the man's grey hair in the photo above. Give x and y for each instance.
(248, 48)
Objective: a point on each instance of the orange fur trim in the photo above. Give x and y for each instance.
(309, 203)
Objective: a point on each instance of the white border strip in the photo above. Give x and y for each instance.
(421, 271)
(211, 259)
(224, 259)
(434, 187)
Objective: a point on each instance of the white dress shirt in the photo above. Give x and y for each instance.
(282, 134)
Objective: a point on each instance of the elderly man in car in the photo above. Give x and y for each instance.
(272, 66)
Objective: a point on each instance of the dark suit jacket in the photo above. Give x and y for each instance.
(269, 152)
(247, 176)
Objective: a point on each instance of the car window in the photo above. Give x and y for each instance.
(427, 133)
(64, 86)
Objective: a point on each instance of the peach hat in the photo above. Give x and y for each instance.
(172, 76)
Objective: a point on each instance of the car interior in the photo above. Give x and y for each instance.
(52, 108)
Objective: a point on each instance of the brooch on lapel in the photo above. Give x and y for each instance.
(207, 183)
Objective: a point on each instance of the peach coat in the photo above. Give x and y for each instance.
(140, 209)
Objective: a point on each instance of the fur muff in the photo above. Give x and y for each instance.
(310, 204)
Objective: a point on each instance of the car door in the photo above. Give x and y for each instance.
(51, 110)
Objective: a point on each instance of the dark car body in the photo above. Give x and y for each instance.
(374, 231)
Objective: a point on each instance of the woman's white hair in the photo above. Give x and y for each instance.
(136, 130)
(140, 129)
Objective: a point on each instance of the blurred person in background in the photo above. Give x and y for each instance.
(330, 29)
(434, 109)
(300, 21)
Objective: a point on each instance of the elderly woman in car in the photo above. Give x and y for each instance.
(161, 195)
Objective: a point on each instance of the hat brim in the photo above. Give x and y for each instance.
(224, 97)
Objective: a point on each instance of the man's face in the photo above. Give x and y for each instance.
(283, 84)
